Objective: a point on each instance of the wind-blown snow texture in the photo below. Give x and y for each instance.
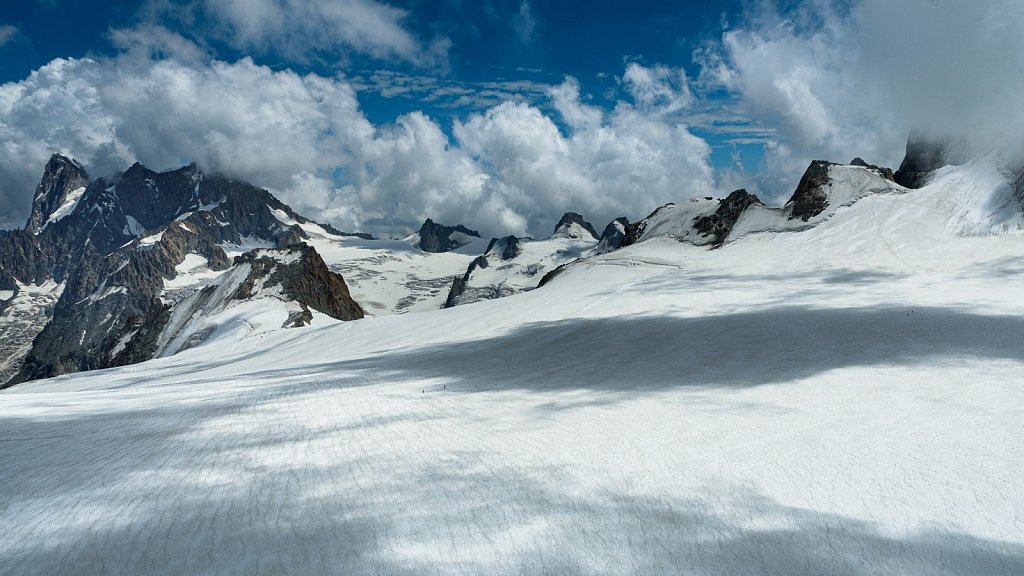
(845, 399)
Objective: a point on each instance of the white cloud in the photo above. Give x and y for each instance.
(7, 33)
(626, 162)
(837, 80)
(509, 170)
(449, 93)
(576, 114)
(658, 87)
(304, 30)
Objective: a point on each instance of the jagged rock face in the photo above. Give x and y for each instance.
(881, 170)
(1018, 186)
(22, 257)
(729, 210)
(107, 301)
(303, 277)
(924, 156)
(295, 275)
(518, 263)
(811, 197)
(438, 238)
(459, 284)
(572, 225)
(62, 177)
(505, 248)
(634, 230)
(112, 306)
(24, 311)
(141, 200)
(553, 274)
(332, 230)
(614, 236)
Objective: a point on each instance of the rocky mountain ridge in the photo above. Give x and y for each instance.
(114, 245)
(117, 270)
(511, 264)
(437, 238)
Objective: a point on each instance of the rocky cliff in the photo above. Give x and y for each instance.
(116, 248)
(926, 154)
(434, 237)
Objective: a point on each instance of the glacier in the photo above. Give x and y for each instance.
(842, 399)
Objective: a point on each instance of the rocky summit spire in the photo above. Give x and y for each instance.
(436, 237)
(925, 155)
(63, 181)
(572, 225)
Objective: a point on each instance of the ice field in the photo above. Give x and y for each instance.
(844, 400)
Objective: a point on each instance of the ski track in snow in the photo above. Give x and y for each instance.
(844, 401)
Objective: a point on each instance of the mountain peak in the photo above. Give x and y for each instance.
(881, 170)
(440, 238)
(926, 154)
(810, 198)
(720, 223)
(63, 180)
(572, 225)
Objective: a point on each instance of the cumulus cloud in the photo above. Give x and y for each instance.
(658, 87)
(837, 80)
(623, 163)
(511, 169)
(303, 30)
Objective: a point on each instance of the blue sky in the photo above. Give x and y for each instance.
(375, 114)
(504, 41)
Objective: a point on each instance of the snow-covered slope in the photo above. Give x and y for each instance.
(23, 313)
(846, 185)
(708, 221)
(393, 276)
(512, 265)
(981, 198)
(842, 400)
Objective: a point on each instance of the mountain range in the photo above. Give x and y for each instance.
(830, 386)
(115, 271)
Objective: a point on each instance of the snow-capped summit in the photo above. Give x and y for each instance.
(572, 225)
(505, 248)
(824, 188)
(64, 180)
(614, 236)
(121, 252)
(434, 237)
(701, 221)
(511, 265)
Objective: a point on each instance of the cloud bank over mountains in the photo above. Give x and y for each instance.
(837, 80)
(821, 80)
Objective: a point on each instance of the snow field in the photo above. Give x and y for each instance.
(843, 400)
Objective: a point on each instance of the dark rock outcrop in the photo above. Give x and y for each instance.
(303, 277)
(61, 177)
(459, 284)
(720, 223)
(568, 224)
(437, 238)
(505, 248)
(881, 170)
(332, 230)
(1017, 173)
(633, 231)
(614, 235)
(924, 156)
(112, 307)
(553, 274)
(810, 197)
